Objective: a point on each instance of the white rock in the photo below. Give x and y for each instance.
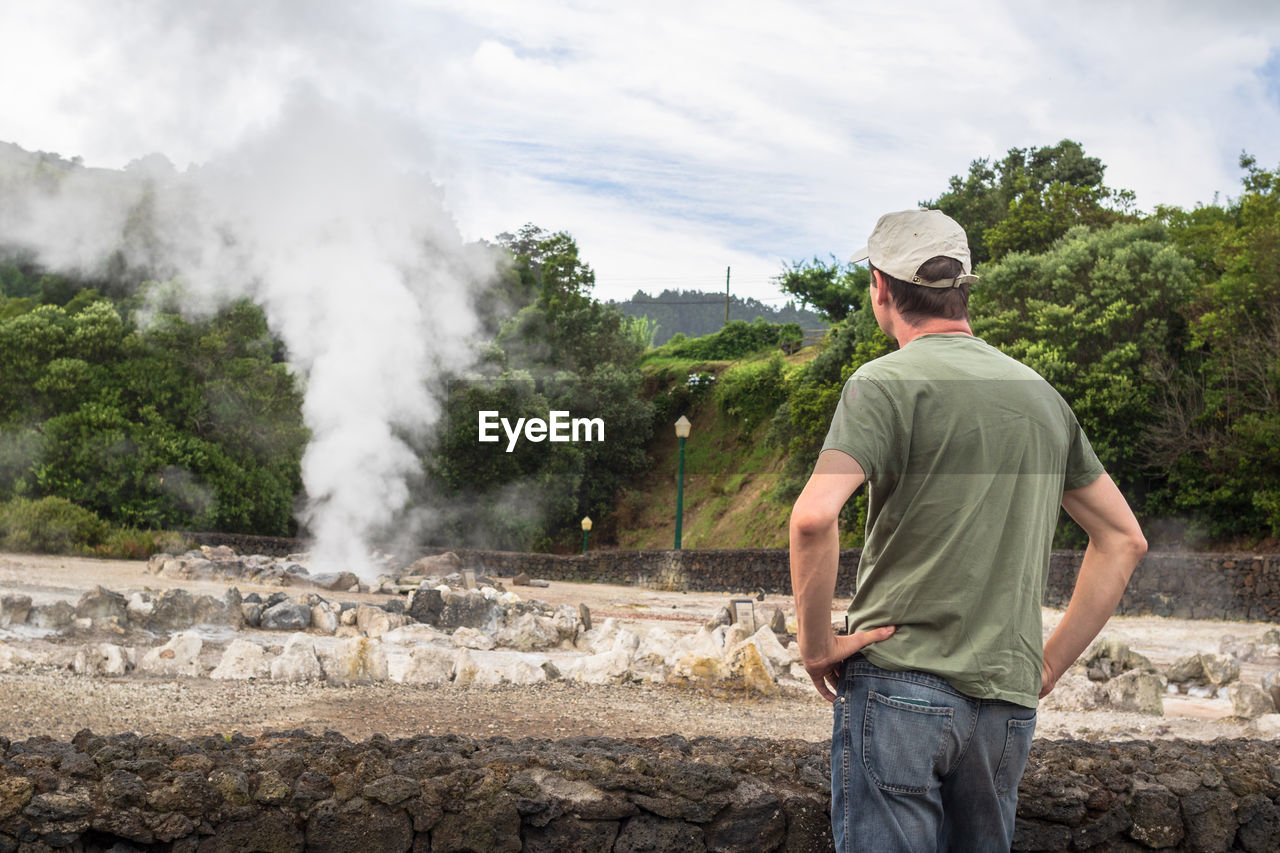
(470, 638)
(489, 592)
(140, 605)
(508, 598)
(1249, 700)
(1268, 725)
(701, 644)
(359, 660)
(298, 661)
(464, 668)
(694, 670)
(656, 648)
(179, 656)
(529, 632)
(604, 668)
(600, 638)
(242, 660)
(778, 656)
(1137, 691)
(101, 659)
(507, 668)
(373, 622)
(347, 618)
(568, 623)
(733, 636)
(413, 634)
(324, 618)
(626, 641)
(429, 665)
(1075, 692)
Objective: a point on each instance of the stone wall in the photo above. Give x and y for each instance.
(1183, 585)
(294, 791)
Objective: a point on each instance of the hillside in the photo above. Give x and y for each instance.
(696, 313)
(730, 474)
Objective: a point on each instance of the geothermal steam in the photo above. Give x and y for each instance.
(359, 268)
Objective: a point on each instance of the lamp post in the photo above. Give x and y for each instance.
(586, 529)
(682, 432)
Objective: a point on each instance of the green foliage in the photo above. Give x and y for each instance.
(180, 424)
(694, 313)
(49, 525)
(1096, 316)
(751, 393)
(831, 288)
(1029, 199)
(736, 340)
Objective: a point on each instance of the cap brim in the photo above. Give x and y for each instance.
(863, 254)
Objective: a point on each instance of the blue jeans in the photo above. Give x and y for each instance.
(918, 766)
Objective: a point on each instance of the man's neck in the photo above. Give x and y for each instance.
(905, 333)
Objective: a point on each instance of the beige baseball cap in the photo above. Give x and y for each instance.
(901, 242)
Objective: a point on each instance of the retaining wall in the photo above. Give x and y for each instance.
(294, 791)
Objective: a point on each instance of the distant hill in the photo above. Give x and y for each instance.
(696, 313)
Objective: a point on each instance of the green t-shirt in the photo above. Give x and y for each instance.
(967, 453)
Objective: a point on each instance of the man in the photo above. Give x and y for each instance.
(968, 455)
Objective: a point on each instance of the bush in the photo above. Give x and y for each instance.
(738, 338)
(50, 525)
(751, 393)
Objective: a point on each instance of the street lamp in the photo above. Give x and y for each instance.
(682, 432)
(586, 529)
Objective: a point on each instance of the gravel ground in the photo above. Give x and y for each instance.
(50, 700)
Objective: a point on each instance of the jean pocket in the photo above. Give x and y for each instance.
(904, 742)
(1017, 748)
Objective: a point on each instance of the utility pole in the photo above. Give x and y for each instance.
(726, 296)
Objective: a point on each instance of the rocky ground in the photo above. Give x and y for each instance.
(42, 695)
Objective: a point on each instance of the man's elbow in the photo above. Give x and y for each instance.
(806, 522)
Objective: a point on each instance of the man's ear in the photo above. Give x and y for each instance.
(880, 292)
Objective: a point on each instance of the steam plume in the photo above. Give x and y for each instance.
(358, 266)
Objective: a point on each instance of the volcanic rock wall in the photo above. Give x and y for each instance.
(294, 791)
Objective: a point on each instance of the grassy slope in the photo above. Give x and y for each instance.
(729, 478)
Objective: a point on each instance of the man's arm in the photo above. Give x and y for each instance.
(1115, 545)
(815, 556)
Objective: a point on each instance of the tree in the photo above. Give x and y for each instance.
(1029, 199)
(831, 288)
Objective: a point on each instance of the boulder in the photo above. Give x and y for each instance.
(211, 611)
(1142, 692)
(521, 579)
(1271, 684)
(1185, 670)
(286, 616)
(1220, 670)
(747, 670)
(464, 668)
(373, 622)
(568, 623)
(414, 634)
(700, 644)
(778, 621)
(105, 660)
(175, 610)
(242, 660)
(584, 616)
(529, 632)
(1268, 726)
(57, 616)
(428, 665)
(298, 661)
(609, 667)
(359, 660)
(1076, 692)
(140, 607)
(324, 618)
(693, 670)
(334, 581)
(471, 610)
(102, 605)
(1242, 650)
(470, 638)
(601, 638)
(506, 668)
(425, 605)
(723, 617)
(178, 657)
(773, 652)
(1249, 700)
(252, 613)
(14, 609)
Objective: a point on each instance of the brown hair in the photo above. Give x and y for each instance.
(917, 302)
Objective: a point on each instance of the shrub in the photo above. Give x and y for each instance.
(751, 393)
(50, 525)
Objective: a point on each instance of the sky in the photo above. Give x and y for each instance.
(672, 140)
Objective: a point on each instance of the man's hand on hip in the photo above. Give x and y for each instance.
(825, 669)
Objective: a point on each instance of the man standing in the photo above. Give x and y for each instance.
(968, 454)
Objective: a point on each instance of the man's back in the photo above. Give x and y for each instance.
(967, 453)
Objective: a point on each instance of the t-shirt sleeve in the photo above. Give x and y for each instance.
(1083, 466)
(864, 426)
